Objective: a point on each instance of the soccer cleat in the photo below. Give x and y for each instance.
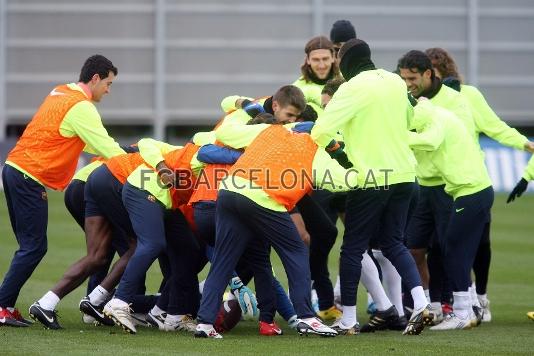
(46, 317)
(139, 319)
(121, 314)
(381, 320)
(207, 331)
(271, 329)
(452, 322)
(17, 315)
(486, 316)
(293, 322)
(88, 308)
(341, 329)
(8, 319)
(400, 324)
(331, 313)
(314, 326)
(88, 319)
(156, 321)
(530, 315)
(478, 316)
(187, 323)
(437, 310)
(418, 320)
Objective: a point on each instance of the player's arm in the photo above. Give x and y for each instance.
(239, 136)
(204, 138)
(328, 174)
(83, 120)
(430, 132)
(216, 154)
(490, 124)
(152, 151)
(342, 108)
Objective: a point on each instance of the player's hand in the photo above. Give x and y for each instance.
(529, 146)
(253, 108)
(165, 174)
(245, 297)
(518, 190)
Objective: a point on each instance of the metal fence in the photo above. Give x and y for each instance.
(178, 58)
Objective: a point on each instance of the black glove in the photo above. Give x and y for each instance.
(518, 190)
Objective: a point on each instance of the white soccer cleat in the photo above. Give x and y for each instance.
(315, 327)
(156, 321)
(207, 331)
(484, 303)
(187, 323)
(419, 319)
(120, 313)
(452, 322)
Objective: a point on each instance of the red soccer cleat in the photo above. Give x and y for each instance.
(267, 329)
(7, 319)
(17, 315)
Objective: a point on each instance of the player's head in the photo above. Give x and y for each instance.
(329, 89)
(341, 32)
(262, 118)
(416, 69)
(288, 103)
(354, 58)
(98, 73)
(319, 64)
(443, 63)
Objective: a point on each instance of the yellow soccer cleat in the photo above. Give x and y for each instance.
(332, 313)
(530, 315)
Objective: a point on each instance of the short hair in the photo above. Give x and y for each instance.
(290, 95)
(443, 61)
(96, 64)
(262, 118)
(319, 42)
(415, 59)
(332, 86)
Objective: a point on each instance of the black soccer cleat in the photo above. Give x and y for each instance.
(46, 317)
(381, 320)
(96, 312)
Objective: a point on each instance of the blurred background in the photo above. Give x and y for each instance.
(178, 58)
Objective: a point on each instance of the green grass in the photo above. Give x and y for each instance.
(511, 290)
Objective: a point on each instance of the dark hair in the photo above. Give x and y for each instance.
(332, 86)
(308, 114)
(290, 95)
(319, 42)
(443, 62)
(97, 64)
(415, 60)
(262, 118)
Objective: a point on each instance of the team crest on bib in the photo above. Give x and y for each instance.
(44, 195)
(151, 198)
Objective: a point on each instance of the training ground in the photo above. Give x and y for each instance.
(511, 291)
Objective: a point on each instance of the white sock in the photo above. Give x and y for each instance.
(49, 301)
(157, 310)
(173, 319)
(482, 297)
(473, 294)
(337, 288)
(419, 298)
(349, 315)
(462, 304)
(201, 286)
(371, 280)
(427, 295)
(98, 295)
(391, 280)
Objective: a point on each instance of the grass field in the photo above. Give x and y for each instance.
(511, 291)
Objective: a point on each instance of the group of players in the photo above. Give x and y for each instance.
(395, 156)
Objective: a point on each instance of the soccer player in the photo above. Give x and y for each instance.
(432, 213)
(457, 158)
(319, 66)
(341, 32)
(45, 156)
(372, 111)
(252, 208)
(491, 125)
